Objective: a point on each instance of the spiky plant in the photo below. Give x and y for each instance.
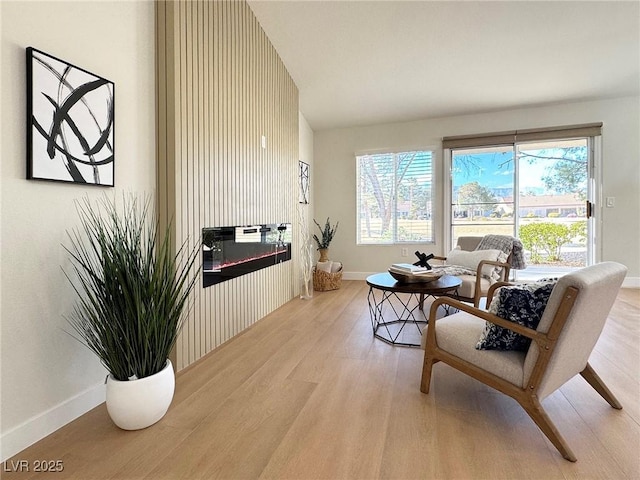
(327, 232)
(131, 288)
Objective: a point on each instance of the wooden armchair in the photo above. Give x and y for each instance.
(560, 346)
(474, 287)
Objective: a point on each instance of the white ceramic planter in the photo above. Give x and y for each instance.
(137, 404)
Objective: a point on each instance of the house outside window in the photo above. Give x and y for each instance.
(394, 203)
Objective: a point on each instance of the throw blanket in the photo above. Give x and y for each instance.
(508, 245)
(454, 270)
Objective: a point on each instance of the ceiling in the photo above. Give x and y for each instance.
(371, 62)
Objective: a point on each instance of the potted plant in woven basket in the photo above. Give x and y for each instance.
(132, 289)
(327, 275)
(327, 233)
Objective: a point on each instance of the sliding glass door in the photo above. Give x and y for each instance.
(538, 191)
(482, 191)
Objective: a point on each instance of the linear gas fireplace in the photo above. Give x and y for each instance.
(228, 252)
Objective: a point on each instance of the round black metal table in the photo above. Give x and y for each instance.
(400, 311)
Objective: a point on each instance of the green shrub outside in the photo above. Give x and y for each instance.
(549, 238)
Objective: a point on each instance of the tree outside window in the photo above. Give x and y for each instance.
(395, 197)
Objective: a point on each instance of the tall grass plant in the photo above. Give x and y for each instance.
(132, 288)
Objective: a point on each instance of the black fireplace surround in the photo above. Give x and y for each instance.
(229, 252)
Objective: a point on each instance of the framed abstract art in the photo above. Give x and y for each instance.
(303, 178)
(70, 122)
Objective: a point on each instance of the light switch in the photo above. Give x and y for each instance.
(263, 141)
(610, 202)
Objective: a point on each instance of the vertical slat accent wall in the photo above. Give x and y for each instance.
(221, 86)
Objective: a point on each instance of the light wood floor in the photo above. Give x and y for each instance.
(308, 393)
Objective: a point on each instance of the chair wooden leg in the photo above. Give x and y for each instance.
(596, 382)
(426, 373)
(542, 420)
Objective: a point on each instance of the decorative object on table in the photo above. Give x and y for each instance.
(327, 276)
(328, 232)
(408, 268)
(132, 291)
(423, 259)
(408, 273)
(70, 122)
(303, 177)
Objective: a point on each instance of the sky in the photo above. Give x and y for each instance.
(496, 170)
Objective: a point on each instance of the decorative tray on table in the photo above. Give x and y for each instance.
(404, 275)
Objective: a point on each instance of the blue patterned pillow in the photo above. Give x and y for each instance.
(522, 304)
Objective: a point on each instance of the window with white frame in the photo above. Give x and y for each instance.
(394, 202)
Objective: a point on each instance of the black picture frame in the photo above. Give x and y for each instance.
(70, 122)
(303, 174)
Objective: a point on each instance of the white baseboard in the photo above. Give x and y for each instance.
(629, 282)
(356, 275)
(41, 425)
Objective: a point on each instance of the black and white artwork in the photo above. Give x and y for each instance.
(70, 122)
(303, 174)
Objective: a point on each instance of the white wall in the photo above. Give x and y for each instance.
(47, 377)
(335, 173)
(306, 155)
(306, 148)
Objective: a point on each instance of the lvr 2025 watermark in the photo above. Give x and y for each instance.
(33, 466)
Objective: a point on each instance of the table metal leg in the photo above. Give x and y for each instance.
(402, 314)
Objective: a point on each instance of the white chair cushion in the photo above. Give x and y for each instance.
(467, 288)
(471, 260)
(458, 335)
